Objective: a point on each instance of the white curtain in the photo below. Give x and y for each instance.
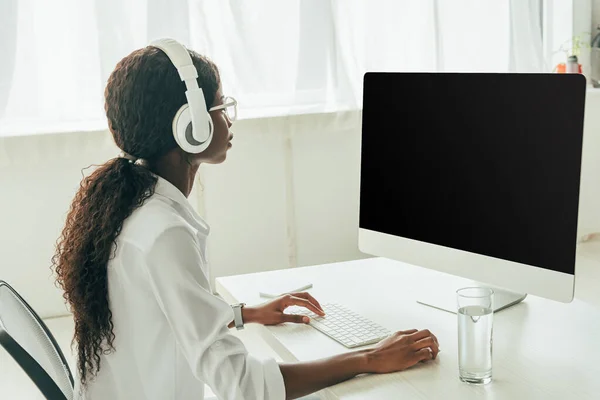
(276, 57)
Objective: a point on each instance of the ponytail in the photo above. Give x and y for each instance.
(87, 243)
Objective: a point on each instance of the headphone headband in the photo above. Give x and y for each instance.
(181, 59)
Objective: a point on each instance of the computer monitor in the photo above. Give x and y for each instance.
(476, 175)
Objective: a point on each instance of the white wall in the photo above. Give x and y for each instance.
(260, 218)
(287, 195)
(595, 15)
(589, 209)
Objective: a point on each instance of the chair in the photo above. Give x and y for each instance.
(31, 344)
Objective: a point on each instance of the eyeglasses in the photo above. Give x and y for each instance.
(229, 106)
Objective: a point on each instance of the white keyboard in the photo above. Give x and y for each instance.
(344, 326)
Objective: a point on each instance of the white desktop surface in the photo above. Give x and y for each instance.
(542, 349)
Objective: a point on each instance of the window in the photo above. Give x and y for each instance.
(276, 57)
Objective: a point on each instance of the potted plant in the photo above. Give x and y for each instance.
(572, 51)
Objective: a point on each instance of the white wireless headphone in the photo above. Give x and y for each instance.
(192, 124)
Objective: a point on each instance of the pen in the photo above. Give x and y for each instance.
(272, 296)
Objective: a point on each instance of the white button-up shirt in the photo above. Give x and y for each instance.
(171, 334)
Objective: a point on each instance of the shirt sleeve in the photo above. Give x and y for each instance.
(199, 322)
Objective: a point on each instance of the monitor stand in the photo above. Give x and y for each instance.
(445, 300)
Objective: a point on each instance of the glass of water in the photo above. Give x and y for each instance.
(475, 326)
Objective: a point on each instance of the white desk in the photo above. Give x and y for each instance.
(542, 349)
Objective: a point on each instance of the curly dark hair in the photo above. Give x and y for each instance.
(142, 95)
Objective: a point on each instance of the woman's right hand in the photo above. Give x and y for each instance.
(402, 350)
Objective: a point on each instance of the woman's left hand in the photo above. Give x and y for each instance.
(272, 312)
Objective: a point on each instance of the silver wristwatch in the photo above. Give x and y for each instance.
(237, 315)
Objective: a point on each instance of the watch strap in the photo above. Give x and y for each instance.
(237, 316)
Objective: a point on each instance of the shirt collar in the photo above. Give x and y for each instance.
(167, 189)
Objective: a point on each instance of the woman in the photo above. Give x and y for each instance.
(131, 259)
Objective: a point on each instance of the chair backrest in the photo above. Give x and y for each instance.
(29, 341)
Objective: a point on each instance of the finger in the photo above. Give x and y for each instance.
(420, 335)
(296, 319)
(404, 333)
(297, 301)
(427, 343)
(408, 332)
(436, 341)
(423, 355)
(308, 296)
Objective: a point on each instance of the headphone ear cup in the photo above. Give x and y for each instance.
(184, 133)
